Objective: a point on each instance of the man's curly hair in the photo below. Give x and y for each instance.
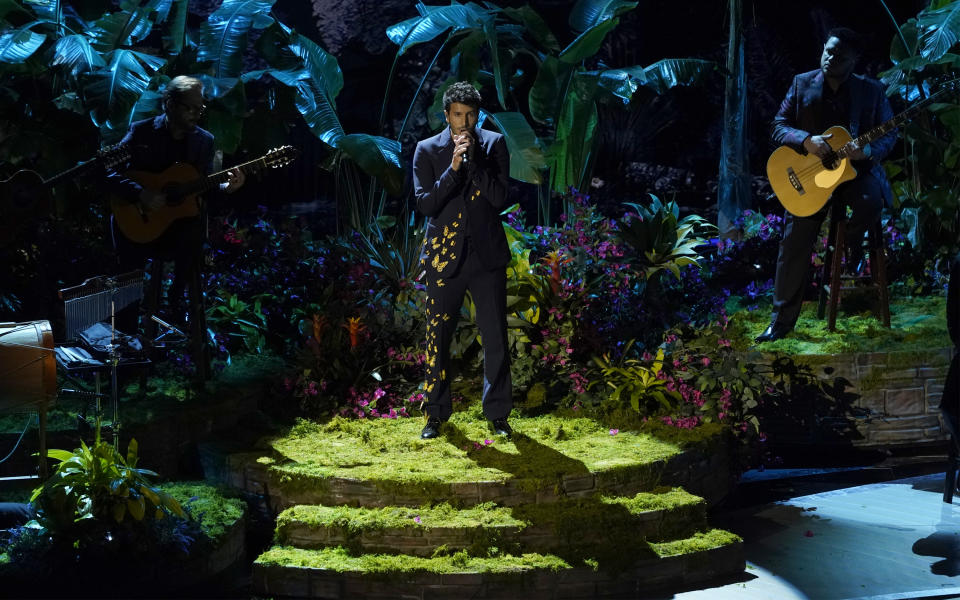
(462, 92)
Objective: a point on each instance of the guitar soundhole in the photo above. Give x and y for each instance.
(831, 162)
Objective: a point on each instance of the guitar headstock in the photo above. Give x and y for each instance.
(280, 157)
(113, 156)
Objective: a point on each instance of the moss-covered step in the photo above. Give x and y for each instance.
(334, 573)
(544, 528)
(383, 462)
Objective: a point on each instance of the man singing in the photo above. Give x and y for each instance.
(460, 183)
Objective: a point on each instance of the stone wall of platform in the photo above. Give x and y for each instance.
(893, 399)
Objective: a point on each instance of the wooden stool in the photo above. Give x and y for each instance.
(833, 277)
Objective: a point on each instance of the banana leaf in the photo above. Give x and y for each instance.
(17, 45)
(575, 130)
(534, 24)
(120, 29)
(225, 118)
(526, 156)
(940, 30)
(548, 90)
(589, 13)
(75, 53)
(587, 43)
(434, 21)
(9, 6)
(671, 72)
(112, 92)
(378, 157)
(492, 36)
(174, 27)
(223, 38)
(320, 65)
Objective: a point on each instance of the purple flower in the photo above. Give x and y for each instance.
(614, 431)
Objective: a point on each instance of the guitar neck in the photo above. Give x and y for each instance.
(886, 127)
(215, 179)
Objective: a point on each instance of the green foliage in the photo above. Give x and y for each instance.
(232, 317)
(924, 53)
(631, 381)
(660, 239)
(94, 487)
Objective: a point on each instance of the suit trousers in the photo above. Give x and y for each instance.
(864, 196)
(444, 300)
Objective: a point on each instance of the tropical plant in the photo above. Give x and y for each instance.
(238, 320)
(630, 381)
(110, 66)
(660, 239)
(95, 488)
(563, 93)
(925, 181)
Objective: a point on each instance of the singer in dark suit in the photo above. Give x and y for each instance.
(460, 184)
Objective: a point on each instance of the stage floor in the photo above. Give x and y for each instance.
(883, 541)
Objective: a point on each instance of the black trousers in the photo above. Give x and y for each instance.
(444, 299)
(864, 196)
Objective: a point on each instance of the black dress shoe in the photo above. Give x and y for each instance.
(773, 333)
(431, 429)
(501, 427)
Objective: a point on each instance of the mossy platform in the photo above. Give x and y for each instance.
(566, 508)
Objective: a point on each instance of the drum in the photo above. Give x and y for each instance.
(28, 368)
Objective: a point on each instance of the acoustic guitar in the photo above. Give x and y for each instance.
(182, 184)
(804, 182)
(25, 195)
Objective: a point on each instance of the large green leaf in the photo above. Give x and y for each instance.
(940, 30)
(490, 30)
(526, 156)
(75, 53)
(17, 45)
(590, 13)
(575, 130)
(671, 72)
(322, 67)
(319, 113)
(587, 43)
(119, 29)
(534, 25)
(225, 118)
(434, 21)
(223, 38)
(378, 157)
(546, 95)
(112, 91)
(174, 27)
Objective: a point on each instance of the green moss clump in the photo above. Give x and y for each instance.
(216, 509)
(339, 560)
(916, 324)
(390, 453)
(700, 542)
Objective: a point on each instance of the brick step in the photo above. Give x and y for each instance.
(334, 573)
(572, 523)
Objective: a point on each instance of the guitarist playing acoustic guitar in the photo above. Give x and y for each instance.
(155, 145)
(816, 101)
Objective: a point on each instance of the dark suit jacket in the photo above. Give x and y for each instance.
(800, 113)
(153, 150)
(462, 203)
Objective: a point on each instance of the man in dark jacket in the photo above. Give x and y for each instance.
(460, 184)
(817, 100)
(155, 144)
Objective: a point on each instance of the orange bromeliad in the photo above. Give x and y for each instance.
(354, 326)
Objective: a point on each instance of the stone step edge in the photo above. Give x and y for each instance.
(707, 474)
(419, 532)
(553, 579)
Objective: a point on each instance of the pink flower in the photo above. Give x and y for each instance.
(808, 533)
(487, 442)
(705, 361)
(614, 431)
(416, 519)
